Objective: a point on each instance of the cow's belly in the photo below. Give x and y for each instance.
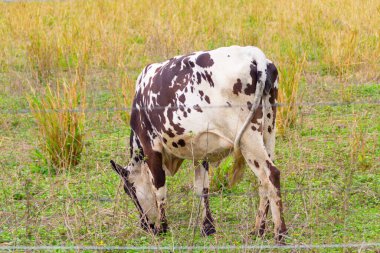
(211, 145)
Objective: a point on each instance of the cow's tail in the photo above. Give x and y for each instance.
(238, 166)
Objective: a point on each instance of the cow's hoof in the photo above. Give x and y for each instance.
(163, 229)
(208, 229)
(150, 228)
(258, 233)
(280, 238)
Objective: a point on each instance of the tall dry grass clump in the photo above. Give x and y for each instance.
(359, 147)
(322, 38)
(336, 38)
(114, 36)
(60, 118)
(289, 96)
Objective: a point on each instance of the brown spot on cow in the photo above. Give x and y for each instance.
(197, 108)
(249, 105)
(272, 99)
(199, 78)
(250, 89)
(237, 87)
(181, 142)
(204, 60)
(182, 98)
(260, 129)
(208, 223)
(258, 115)
(207, 99)
(273, 96)
(209, 79)
(170, 133)
(272, 75)
(203, 76)
(274, 176)
(201, 93)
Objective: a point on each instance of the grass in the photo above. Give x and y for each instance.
(87, 206)
(60, 120)
(324, 51)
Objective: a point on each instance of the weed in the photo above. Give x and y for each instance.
(60, 120)
(92, 40)
(359, 147)
(288, 95)
(220, 174)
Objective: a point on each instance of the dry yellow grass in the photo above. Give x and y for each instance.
(46, 39)
(339, 35)
(60, 120)
(329, 164)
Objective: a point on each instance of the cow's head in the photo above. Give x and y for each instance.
(138, 186)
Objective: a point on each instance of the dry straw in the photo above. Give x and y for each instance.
(61, 131)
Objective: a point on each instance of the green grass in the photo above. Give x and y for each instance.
(331, 152)
(86, 205)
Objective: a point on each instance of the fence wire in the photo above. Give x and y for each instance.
(33, 211)
(176, 107)
(359, 246)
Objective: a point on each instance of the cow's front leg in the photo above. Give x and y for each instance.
(201, 186)
(154, 161)
(161, 204)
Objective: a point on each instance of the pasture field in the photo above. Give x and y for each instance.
(328, 55)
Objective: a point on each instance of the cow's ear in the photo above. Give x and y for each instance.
(123, 172)
(272, 75)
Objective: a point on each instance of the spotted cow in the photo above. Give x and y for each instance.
(203, 106)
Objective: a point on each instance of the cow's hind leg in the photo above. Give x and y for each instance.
(269, 176)
(269, 128)
(201, 186)
(262, 212)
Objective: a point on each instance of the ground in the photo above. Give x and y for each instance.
(331, 195)
(329, 158)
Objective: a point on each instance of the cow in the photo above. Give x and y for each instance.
(203, 106)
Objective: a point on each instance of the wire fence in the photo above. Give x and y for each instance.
(129, 109)
(332, 213)
(33, 208)
(358, 246)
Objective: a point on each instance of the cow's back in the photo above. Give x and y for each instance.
(196, 103)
